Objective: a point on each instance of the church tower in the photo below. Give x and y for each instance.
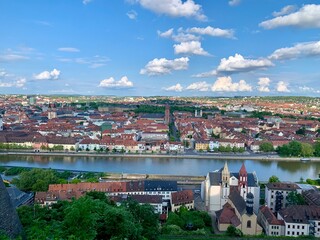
(225, 187)
(243, 181)
(225, 175)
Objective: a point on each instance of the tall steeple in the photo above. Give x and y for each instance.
(225, 174)
(243, 181)
(9, 220)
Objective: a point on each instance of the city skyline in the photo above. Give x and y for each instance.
(165, 47)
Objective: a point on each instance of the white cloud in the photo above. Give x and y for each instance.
(192, 47)
(175, 88)
(68, 49)
(306, 49)
(93, 62)
(234, 2)
(285, 10)
(215, 32)
(18, 83)
(308, 89)
(85, 2)
(160, 66)
(174, 8)
(181, 36)
(206, 74)
(238, 63)
(264, 84)
(132, 15)
(12, 58)
(199, 86)
(282, 87)
(112, 83)
(308, 16)
(165, 34)
(225, 84)
(46, 75)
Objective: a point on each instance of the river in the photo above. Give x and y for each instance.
(285, 170)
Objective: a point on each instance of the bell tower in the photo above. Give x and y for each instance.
(243, 181)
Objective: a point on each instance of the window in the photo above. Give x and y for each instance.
(293, 226)
(288, 226)
(249, 224)
(302, 227)
(298, 227)
(288, 233)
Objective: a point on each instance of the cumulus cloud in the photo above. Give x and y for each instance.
(282, 86)
(112, 83)
(46, 75)
(132, 15)
(175, 88)
(160, 66)
(308, 16)
(181, 36)
(225, 84)
(307, 49)
(285, 10)
(199, 86)
(264, 84)
(165, 34)
(238, 63)
(192, 47)
(68, 49)
(234, 2)
(174, 8)
(214, 32)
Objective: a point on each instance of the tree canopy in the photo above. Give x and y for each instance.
(93, 216)
(273, 179)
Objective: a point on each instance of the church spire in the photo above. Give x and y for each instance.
(225, 174)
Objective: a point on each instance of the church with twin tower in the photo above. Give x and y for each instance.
(219, 184)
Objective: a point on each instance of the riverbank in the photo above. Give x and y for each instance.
(218, 156)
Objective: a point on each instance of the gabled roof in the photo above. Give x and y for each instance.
(182, 197)
(300, 214)
(227, 215)
(238, 202)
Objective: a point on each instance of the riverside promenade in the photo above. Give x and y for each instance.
(218, 156)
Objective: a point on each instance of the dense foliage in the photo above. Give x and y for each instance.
(90, 217)
(295, 198)
(298, 149)
(266, 147)
(35, 180)
(186, 220)
(273, 179)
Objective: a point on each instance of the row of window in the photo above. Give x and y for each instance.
(294, 233)
(293, 226)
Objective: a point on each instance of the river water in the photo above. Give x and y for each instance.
(285, 170)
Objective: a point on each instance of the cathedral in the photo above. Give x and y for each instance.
(219, 184)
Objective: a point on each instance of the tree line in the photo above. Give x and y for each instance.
(293, 149)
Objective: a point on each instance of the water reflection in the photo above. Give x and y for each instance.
(285, 170)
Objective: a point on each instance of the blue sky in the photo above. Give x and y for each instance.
(160, 47)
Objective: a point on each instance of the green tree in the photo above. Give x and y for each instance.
(317, 149)
(35, 180)
(273, 179)
(232, 231)
(266, 147)
(81, 218)
(306, 150)
(294, 198)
